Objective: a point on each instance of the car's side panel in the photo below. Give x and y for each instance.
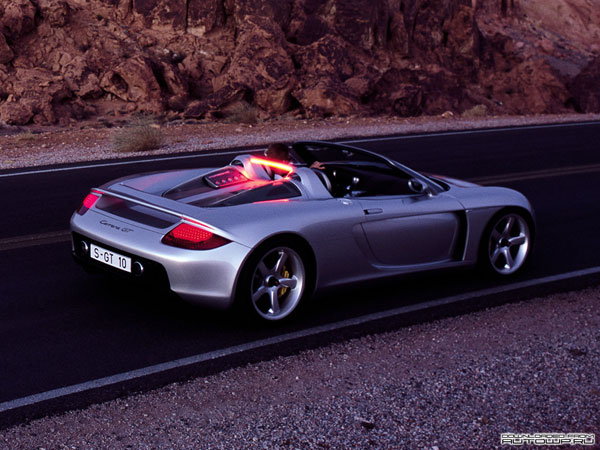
(412, 229)
(413, 240)
(477, 220)
(481, 204)
(489, 197)
(327, 225)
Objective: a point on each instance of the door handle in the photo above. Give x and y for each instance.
(370, 211)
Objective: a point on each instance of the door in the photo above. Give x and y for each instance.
(408, 230)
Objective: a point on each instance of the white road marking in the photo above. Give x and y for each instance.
(125, 163)
(482, 131)
(33, 240)
(288, 337)
(535, 174)
(253, 149)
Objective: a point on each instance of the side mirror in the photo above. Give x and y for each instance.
(418, 187)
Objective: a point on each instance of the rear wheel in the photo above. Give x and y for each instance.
(274, 282)
(507, 243)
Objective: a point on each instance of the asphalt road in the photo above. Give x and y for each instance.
(60, 326)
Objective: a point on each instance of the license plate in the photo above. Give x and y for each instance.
(110, 258)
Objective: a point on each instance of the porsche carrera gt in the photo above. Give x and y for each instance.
(267, 234)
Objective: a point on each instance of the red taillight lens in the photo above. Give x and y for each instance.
(89, 201)
(191, 237)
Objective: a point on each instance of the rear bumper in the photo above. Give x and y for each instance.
(205, 277)
(153, 273)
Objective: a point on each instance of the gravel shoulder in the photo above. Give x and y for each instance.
(455, 383)
(30, 147)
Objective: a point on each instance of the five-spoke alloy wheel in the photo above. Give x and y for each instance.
(277, 282)
(508, 243)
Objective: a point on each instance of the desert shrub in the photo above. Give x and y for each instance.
(240, 112)
(140, 136)
(475, 111)
(27, 137)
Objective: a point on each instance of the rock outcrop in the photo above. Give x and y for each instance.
(65, 60)
(585, 88)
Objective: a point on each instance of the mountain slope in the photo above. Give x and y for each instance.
(65, 60)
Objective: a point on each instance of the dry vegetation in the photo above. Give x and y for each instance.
(241, 112)
(27, 137)
(476, 111)
(140, 136)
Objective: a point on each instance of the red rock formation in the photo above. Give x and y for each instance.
(6, 54)
(585, 88)
(63, 60)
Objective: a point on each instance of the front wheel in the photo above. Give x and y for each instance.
(507, 243)
(274, 282)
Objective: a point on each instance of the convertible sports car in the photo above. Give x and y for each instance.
(266, 235)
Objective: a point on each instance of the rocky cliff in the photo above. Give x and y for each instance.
(65, 60)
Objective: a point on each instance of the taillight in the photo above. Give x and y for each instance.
(89, 201)
(192, 237)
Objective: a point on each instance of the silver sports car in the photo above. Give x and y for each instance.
(265, 234)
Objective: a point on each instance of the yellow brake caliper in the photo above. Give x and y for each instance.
(285, 274)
